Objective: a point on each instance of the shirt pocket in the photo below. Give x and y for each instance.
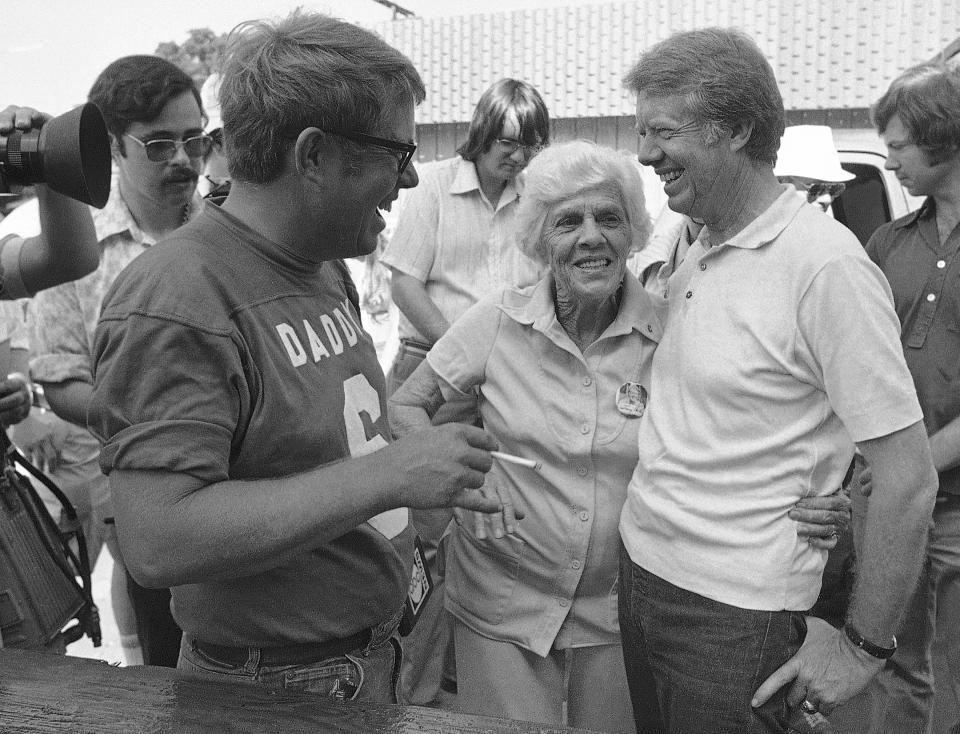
(482, 574)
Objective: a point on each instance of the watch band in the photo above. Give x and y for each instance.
(868, 647)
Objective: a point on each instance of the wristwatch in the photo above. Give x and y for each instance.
(868, 647)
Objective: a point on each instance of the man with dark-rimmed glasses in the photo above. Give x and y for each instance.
(240, 402)
(454, 243)
(155, 120)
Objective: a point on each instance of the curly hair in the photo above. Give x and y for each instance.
(305, 70)
(136, 89)
(567, 169)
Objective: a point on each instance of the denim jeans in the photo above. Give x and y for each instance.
(693, 664)
(901, 696)
(369, 674)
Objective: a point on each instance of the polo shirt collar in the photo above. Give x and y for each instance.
(770, 224)
(466, 180)
(927, 209)
(640, 310)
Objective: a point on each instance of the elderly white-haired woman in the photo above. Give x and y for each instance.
(563, 372)
(535, 610)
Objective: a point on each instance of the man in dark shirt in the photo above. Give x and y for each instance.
(919, 121)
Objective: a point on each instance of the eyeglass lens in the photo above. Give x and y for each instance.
(164, 150)
(511, 146)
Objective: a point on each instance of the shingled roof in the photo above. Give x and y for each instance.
(827, 54)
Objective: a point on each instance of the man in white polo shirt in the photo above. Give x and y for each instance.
(781, 350)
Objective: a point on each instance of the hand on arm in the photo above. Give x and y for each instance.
(411, 298)
(822, 519)
(66, 248)
(828, 669)
(411, 408)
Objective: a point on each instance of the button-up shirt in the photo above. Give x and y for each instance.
(456, 242)
(553, 584)
(63, 319)
(925, 278)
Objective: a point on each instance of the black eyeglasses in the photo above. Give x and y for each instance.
(164, 149)
(509, 146)
(403, 152)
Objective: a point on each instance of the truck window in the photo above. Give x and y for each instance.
(863, 206)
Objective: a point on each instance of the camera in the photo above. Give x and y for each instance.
(70, 154)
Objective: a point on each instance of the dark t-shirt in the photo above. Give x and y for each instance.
(222, 356)
(925, 278)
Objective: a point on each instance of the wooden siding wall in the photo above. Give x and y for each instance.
(439, 141)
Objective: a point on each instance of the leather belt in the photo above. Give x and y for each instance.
(286, 654)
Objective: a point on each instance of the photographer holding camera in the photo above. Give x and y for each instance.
(155, 120)
(65, 249)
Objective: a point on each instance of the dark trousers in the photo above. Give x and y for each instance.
(159, 635)
(693, 663)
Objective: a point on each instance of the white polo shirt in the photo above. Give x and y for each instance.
(781, 349)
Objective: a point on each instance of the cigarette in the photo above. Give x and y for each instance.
(511, 459)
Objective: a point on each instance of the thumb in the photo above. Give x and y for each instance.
(781, 677)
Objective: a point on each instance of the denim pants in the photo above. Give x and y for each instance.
(693, 664)
(901, 696)
(369, 674)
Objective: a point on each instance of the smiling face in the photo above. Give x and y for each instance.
(368, 184)
(911, 164)
(587, 239)
(165, 183)
(697, 174)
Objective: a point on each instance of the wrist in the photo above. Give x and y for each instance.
(879, 650)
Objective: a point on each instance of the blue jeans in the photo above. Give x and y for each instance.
(693, 664)
(901, 696)
(370, 674)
